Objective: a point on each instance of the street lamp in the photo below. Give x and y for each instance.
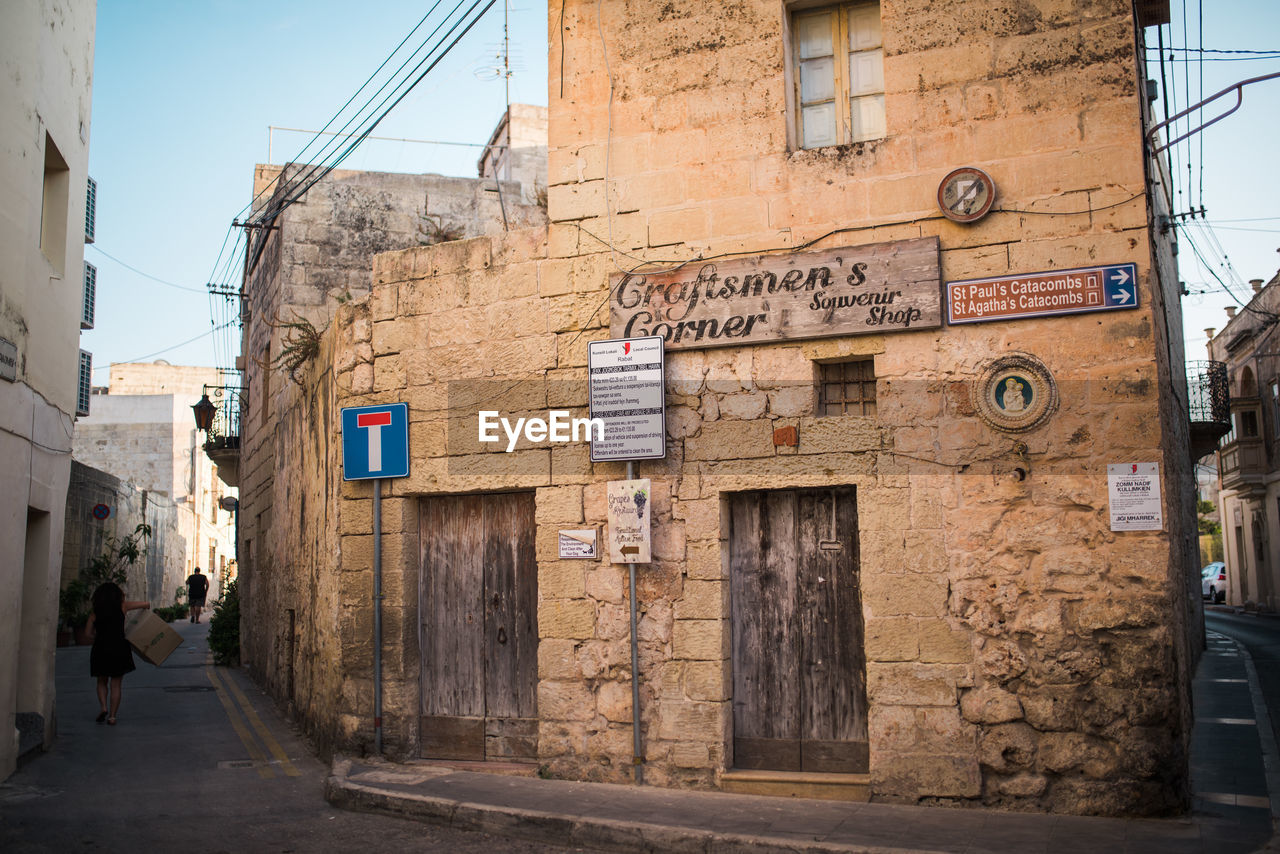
(204, 412)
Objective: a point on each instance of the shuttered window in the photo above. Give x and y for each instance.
(839, 74)
(90, 291)
(85, 385)
(90, 210)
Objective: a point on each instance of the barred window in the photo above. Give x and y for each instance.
(847, 388)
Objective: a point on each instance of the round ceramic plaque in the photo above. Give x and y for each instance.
(966, 195)
(1015, 393)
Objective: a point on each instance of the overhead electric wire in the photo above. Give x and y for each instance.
(1265, 54)
(340, 134)
(299, 189)
(295, 194)
(334, 151)
(161, 352)
(298, 157)
(156, 279)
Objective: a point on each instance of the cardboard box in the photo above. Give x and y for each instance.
(151, 637)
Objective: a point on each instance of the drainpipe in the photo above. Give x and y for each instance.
(637, 753)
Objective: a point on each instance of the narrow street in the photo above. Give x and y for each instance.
(199, 762)
(1261, 636)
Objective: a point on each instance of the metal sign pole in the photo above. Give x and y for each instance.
(637, 754)
(377, 615)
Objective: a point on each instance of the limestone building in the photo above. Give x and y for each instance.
(1249, 456)
(142, 432)
(46, 217)
(921, 512)
(316, 256)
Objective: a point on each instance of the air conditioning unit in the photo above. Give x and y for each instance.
(90, 210)
(85, 386)
(90, 289)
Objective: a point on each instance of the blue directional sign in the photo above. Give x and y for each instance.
(375, 441)
(1102, 288)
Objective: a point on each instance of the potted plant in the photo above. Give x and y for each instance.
(74, 609)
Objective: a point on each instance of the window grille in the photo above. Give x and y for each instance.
(847, 388)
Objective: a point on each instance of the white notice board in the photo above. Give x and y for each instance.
(1133, 490)
(625, 389)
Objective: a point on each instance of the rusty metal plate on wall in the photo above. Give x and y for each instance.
(857, 290)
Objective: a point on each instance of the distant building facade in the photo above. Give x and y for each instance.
(1249, 456)
(142, 432)
(46, 59)
(102, 506)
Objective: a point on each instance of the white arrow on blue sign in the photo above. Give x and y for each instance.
(1120, 286)
(375, 441)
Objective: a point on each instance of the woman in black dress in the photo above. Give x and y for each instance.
(110, 658)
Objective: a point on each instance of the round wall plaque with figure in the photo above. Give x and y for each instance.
(1015, 393)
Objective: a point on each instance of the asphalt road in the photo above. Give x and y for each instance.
(198, 763)
(1261, 636)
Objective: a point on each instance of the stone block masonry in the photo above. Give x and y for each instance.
(1012, 654)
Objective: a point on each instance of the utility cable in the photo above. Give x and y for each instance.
(161, 352)
(369, 80)
(294, 194)
(306, 181)
(147, 275)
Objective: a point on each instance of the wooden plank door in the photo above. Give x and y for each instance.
(479, 627)
(799, 693)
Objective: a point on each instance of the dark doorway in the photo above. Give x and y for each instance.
(799, 667)
(479, 599)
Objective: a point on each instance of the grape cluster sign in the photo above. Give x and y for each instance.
(629, 513)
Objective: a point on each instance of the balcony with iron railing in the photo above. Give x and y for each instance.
(218, 414)
(1209, 399)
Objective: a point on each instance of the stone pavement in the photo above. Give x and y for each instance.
(1232, 750)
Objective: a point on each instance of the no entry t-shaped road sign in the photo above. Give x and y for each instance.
(375, 441)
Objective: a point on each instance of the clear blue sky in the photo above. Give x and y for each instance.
(1241, 184)
(184, 93)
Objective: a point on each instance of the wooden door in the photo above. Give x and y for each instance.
(479, 627)
(799, 668)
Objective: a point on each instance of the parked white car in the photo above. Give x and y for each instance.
(1213, 582)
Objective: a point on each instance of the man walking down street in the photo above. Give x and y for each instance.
(197, 589)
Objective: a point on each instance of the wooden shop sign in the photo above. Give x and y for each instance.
(883, 287)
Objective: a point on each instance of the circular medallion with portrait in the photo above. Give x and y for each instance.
(1015, 393)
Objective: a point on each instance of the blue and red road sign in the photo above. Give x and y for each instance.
(375, 441)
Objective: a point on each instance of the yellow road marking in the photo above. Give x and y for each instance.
(264, 768)
(265, 734)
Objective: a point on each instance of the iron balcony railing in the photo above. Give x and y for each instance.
(225, 432)
(1208, 392)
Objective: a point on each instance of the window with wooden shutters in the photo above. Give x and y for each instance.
(85, 385)
(90, 210)
(847, 388)
(90, 291)
(839, 74)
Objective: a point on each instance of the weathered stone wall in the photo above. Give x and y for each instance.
(1020, 653)
(293, 598)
